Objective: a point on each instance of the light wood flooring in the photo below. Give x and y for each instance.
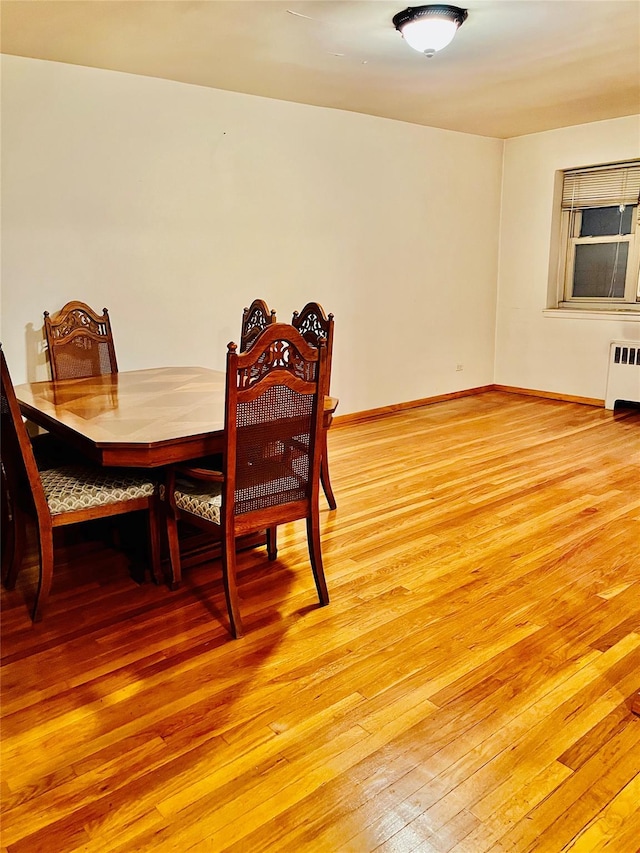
(467, 689)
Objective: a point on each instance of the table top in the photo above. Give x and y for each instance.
(136, 417)
(141, 418)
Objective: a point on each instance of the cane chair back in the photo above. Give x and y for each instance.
(313, 323)
(80, 342)
(273, 426)
(255, 319)
(60, 496)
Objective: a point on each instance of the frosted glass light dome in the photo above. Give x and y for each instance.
(428, 29)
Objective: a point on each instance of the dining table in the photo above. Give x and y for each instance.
(147, 418)
(136, 418)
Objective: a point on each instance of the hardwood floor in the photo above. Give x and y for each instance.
(468, 688)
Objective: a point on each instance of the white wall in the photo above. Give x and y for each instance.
(175, 205)
(551, 353)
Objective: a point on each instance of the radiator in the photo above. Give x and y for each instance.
(623, 378)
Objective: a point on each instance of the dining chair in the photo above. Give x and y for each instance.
(313, 323)
(61, 496)
(79, 342)
(273, 395)
(255, 319)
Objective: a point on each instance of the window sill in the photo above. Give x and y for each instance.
(628, 315)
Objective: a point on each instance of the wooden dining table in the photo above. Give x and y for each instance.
(141, 418)
(136, 418)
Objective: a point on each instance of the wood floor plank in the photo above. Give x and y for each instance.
(610, 820)
(583, 797)
(467, 690)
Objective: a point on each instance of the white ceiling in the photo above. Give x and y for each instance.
(515, 66)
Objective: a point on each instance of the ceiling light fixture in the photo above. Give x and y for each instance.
(429, 28)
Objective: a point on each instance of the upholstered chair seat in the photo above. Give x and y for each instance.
(201, 499)
(75, 487)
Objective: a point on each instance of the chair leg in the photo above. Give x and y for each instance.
(324, 475)
(154, 541)
(46, 572)
(315, 555)
(174, 549)
(8, 541)
(230, 587)
(12, 560)
(272, 542)
(8, 550)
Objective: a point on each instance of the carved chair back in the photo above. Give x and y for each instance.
(255, 319)
(313, 323)
(80, 342)
(274, 403)
(18, 460)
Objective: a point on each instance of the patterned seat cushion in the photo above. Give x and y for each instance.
(75, 487)
(199, 498)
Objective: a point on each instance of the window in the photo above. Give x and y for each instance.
(600, 262)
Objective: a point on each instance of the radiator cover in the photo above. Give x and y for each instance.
(623, 377)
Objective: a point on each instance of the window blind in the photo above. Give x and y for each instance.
(603, 186)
